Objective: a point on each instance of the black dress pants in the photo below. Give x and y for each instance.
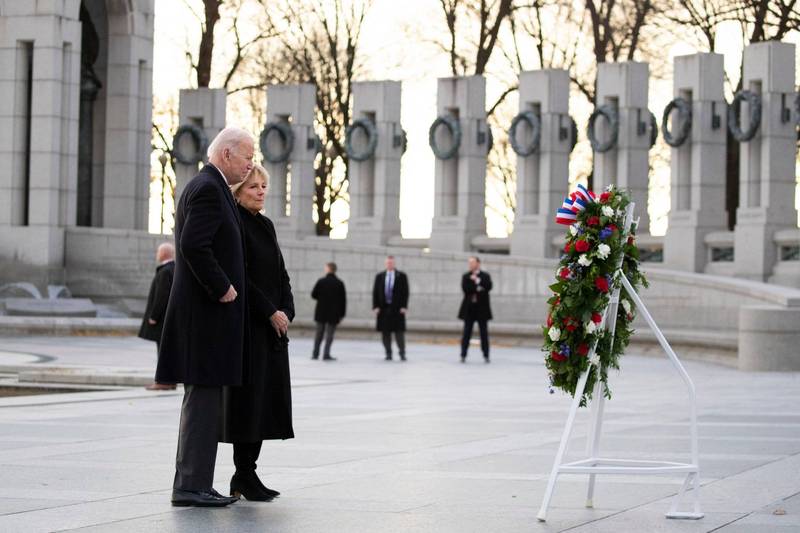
(483, 326)
(197, 437)
(400, 337)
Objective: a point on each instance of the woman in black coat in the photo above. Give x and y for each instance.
(261, 409)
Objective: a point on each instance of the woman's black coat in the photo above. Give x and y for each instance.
(262, 408)
(204, 340)
(476, 304)
(389, 316)
(331, 297)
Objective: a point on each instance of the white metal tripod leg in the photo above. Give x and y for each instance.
(593, 445)
(562, 447)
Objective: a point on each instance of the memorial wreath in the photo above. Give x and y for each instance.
(597, 251)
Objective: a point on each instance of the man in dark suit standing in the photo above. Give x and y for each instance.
(389, 303)
(205, 339)
(153, 318)
(475, 306)
(331, 297)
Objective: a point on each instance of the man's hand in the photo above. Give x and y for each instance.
(280, 322)
(376, 310)
(151, 322)
(229, 296)
(402, 310)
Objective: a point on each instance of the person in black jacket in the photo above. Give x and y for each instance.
(475, 306)
(153, 318)
(204, 343)
(331, 297)
(260, 409)
(390, 303)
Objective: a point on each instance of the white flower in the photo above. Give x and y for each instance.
(584, 261)
(607, 211)
(554, 333)
(620, 212)
(590, 327)
(603, 250)
(627, 306)
(573, 229)
(595, 360)
(609, 187)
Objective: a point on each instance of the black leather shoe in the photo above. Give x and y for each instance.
(198, 498)
(232, 499)
(402, 357)
(486, 359)
(314, 357)
(249, 486)
(388, 358)
(328, 358)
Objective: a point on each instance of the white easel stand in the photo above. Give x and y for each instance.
(595, 464)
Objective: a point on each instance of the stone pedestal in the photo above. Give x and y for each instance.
(543, 176)
(460, 182)
(768, 338)
(698, 165)
(204, 108)
(767, 163)
(290, 198)
(375, 183)
(624, 86)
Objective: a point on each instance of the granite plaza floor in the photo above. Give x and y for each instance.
(427, 445)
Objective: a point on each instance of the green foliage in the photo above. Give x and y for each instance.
(575, 339)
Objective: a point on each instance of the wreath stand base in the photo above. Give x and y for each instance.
(595, 464)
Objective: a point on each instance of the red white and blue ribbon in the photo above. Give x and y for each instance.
(577, 201)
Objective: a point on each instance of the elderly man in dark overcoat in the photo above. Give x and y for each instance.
(204, 343)
(390, 304)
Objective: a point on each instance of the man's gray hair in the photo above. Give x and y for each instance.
(230, 138)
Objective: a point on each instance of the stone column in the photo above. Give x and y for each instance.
(128, 129)
(698, 165)
(204, 108)
(767, 163)
(543, 176)
(290, 199)
(375, 183)
(460, 182)
(40, 48)
(624, 86)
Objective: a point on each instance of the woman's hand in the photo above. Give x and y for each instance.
(280, 323)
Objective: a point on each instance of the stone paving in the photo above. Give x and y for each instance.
(427, 445)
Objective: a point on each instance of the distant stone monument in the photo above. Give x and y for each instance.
(460, 138)
(375, 142)
(289, 146)
(698, 137)
(766, 127)
(623, 131)
(542, 136)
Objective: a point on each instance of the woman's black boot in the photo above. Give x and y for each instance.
(248, 485)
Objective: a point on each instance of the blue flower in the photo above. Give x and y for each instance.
(605, 233)
(565, 350)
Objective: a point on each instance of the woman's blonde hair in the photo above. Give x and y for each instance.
(258, 170)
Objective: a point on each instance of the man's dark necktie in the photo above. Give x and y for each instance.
(387, 288)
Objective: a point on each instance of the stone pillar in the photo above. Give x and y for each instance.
(40, 45)
(543, 176)
(290, 200)
(698, 165)
(204, 108)
(460, 182)
(767, 163)
(624, 86)
(128, 116)
(375, 183)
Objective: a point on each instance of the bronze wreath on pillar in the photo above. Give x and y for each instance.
(734, 125)
(454, 126)
(612, 117)
(284, 131)
(684, 118)
(368, 127)
(535, 124)
(198, 138)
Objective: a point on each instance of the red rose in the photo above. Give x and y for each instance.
(601, 284)
(570, 324)
(612, 227)
(593, 221)
(558, 301)
(605, 197)
(564, 274)
(630, 317)
(582, 246)
(597, 317)
(555, 356)
(630, 239)
(549, 321)
(567, 248)
(583, 349)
